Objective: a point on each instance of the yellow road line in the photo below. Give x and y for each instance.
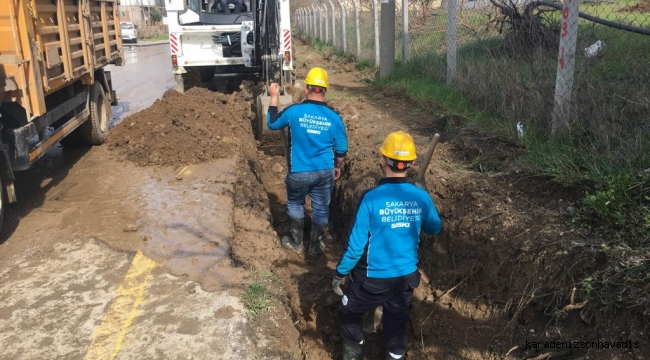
(108, 338)
(184, 171)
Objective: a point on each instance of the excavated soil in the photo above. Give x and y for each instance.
(499, 276)
(182, 129)
(198, 127)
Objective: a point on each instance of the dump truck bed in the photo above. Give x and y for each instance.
(46, 45)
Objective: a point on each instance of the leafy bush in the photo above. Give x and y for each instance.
(155, 16)
(622, 201)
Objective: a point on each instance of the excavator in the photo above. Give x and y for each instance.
(217, 40)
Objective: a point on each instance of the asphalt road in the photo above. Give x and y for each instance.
(101, 259)
(146, 75)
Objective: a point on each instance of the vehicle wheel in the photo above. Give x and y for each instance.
(94, 131)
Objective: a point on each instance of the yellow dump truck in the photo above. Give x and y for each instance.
(53, 87)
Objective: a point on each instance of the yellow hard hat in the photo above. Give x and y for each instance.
(317, 77)
(399, 146)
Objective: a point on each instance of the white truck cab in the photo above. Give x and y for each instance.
(228, 37)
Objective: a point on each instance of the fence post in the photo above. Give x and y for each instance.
(299, 12)
(333, 23)
(388, 37)
(327, 28)
(452, 27)
(309, 22)
(565, 67)
(375, 9)
(313, 20)
(320, 23)
(405, 31)
(356, 26)
(343, 32)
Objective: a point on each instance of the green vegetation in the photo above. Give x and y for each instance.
(612, 11)
(326, 49)
(611, 169)
(608, 147)
(155, 16)
(256, 299)
(618, 202)
(619, 281)
(363, 64)
(159, 37)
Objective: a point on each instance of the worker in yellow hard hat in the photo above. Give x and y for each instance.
(382, 254)
(316, 151)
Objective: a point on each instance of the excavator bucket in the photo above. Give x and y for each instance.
(272, 142)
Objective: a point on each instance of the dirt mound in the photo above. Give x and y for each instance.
(182, 129)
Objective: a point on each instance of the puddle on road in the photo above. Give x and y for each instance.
(119, 112)
(187, 223)
(143, 79)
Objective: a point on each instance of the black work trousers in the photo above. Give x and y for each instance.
(364, 294)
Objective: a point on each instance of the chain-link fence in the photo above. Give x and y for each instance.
(552, 65)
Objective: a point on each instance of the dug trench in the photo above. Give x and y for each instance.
(503, 275)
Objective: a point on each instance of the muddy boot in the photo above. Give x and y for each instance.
(352, 350)
(316, 246)
(294, 241)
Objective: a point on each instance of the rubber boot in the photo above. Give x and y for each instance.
(389, 357)
(294, 241)
(316, 246)
(352, 350)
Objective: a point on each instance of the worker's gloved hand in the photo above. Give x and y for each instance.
(274, 89)
(421, 185)
(337, 282)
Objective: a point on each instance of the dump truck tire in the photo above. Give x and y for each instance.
(94, 131)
